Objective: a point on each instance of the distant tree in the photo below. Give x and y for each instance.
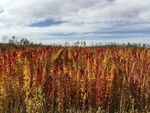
(13, 40)
(66, 44)
(24, 41)
(5, 39)
(144, 45)
(77, 43)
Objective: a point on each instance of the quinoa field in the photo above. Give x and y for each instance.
(56, 79)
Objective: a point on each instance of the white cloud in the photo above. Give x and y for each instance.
(80, 17)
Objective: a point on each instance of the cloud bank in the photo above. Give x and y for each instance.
(72, 20)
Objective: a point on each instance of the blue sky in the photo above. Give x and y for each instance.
(60, 21)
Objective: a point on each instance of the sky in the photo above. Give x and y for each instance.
(60, 21)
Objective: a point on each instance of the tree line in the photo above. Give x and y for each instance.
(17, 41)
(25, 42)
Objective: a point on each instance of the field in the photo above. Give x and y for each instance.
(55, 79)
